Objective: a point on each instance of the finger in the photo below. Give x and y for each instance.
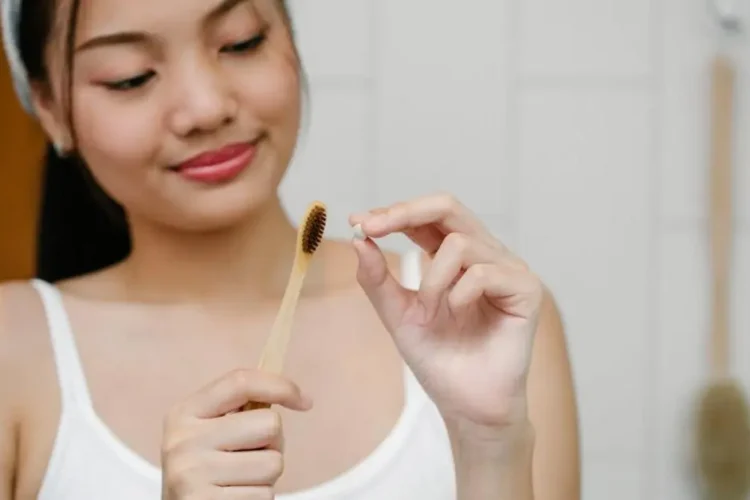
(457, 253)
(246, 493)
(425, 237)
(250, 430)
(247, 468)
(428, 238)
(388, 297)
(515, 292)
(443, 211)
(236, 388)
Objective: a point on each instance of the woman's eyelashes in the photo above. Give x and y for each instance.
(249, 45)
(130, 83)
(127, 84)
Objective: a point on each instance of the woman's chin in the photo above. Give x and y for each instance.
(210, 212)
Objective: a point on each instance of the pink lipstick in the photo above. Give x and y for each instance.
(220, 165)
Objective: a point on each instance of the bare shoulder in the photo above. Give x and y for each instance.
(23, 330)
(25, 349)
(18, 306)
(22, 349)
(553, 409)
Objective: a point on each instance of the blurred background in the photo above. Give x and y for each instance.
(579, 130)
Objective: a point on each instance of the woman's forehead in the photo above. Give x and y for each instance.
(103, 17)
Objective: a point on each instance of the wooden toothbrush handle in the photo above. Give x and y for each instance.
(720, 211)
(274, 351)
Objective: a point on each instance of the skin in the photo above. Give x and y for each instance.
(192, 304)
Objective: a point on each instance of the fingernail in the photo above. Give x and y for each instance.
(307, 402)
(304, 397)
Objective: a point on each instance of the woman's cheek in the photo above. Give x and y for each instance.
(271, 95)
(120, 146)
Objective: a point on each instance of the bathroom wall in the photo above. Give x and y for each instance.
(578, 130)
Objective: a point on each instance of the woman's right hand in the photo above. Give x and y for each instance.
(210, 450)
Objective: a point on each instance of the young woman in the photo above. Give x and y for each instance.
(438, 378)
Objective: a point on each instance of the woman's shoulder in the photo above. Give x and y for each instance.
(21, 313)
(24, 343)
(28, 388)
(342, 261)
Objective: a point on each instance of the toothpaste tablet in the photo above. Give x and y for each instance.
(358, 233)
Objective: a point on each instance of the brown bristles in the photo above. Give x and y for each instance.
(315, 225)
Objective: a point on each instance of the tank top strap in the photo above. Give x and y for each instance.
(411, 269)
(71, 377)
(411, 276)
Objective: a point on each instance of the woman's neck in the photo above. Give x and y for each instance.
(243, 263)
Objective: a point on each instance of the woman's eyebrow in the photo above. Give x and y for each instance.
(141, 38)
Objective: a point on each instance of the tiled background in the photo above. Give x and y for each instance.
(578, 129)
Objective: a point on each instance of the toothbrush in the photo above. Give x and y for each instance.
(309, 238)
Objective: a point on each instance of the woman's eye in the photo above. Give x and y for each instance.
(245, 46)
(130, 83)
(140, 80)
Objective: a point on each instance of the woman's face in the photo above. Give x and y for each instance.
(185, 111)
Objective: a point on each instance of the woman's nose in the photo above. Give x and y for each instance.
(203, 101)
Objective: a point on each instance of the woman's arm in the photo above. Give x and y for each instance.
(8, 441)
(7, 445)
(541, 460)
(553, 411)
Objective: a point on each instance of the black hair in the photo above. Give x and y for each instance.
(80, 228)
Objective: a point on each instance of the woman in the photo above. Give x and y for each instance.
(121, 380)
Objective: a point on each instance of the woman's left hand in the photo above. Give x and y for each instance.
(467, 332)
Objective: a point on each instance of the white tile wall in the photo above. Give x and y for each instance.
(596, 39)
(578, 130)
(440, 99)
(585, 225)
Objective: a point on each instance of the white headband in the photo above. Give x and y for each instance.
(11, 19)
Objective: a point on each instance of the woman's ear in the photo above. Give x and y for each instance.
(51, 117)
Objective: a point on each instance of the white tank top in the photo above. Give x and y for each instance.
(89, 462)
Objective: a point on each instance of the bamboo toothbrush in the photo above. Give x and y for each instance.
(723, 434)
(309, 237)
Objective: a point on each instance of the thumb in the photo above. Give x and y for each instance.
(386, 294)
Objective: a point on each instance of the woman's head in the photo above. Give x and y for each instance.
(136, 89)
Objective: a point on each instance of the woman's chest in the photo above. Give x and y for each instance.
(137, 368)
